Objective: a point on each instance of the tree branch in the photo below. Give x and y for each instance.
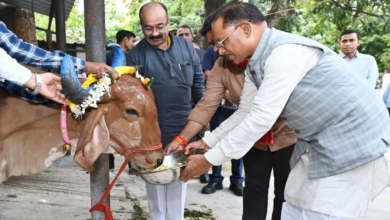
(356, 10)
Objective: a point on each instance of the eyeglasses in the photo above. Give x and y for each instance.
(160, 28)
(219, 44)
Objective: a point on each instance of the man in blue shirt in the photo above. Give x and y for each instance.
(178, 80)
(185, 32)
(364, 64)
(126, 39)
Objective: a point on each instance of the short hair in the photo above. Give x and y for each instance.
(185, 26)
(238, 11)
(350, 32)
(208, 22)
(120, 35)
(161, 4)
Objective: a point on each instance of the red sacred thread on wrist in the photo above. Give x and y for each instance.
(181, 141)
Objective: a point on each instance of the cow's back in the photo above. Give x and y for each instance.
(30, 136)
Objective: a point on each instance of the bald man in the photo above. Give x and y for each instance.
(179, 79)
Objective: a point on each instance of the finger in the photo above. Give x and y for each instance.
(113, 72)
(61, 96)
(58, 86)
(59, 99)
(184, 175)
(56, 78)
(187, 150)
(167, 150)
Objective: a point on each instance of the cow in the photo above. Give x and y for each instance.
(31, 139)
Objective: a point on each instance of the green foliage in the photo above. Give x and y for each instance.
(325, 21)
(322, 20)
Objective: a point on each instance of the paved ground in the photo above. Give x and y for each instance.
(62, 193)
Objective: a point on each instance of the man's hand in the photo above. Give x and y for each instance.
(173, 146)
(195, 145)
(99, 68)
(196, 165)
(51, 85)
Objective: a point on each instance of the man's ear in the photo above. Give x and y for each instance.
(359, 43)
(93, 140)
(247, 28)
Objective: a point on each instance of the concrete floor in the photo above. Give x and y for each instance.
(62, 193)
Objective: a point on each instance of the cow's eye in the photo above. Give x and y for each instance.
(132, 112)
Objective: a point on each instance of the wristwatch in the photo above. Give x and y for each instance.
(38, 80)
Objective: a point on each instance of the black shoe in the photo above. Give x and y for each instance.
(237, 189)
(204, 178)
(210, 188)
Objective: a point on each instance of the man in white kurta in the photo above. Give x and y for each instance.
(285, 71)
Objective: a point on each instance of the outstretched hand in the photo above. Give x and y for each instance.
(173, 146)
(195, 145)
(99, 68)
(51, 85)
(196, 165)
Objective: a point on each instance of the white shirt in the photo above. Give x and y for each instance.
(259, 109)
(11, 70)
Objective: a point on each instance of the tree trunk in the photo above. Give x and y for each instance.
(280, 5)
(209, 6)
(19, 21)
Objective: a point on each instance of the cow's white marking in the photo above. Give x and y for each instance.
(3, 163)
(53, 155)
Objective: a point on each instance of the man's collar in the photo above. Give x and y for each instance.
(344, 56)
(260, 47)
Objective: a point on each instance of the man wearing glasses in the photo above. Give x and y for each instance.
(363, 64)
(178, 80)
(338, 163)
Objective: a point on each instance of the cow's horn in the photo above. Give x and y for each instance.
(70, 82)
(118, 58)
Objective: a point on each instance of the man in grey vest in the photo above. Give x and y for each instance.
(342, 125)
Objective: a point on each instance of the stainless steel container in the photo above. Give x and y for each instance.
(163, 177)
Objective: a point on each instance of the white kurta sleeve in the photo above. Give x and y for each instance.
(12, 70)
(283, 70)
(247, 96)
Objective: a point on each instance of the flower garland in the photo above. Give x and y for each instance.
(103, 86)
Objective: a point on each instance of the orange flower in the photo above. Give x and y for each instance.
(146, 81)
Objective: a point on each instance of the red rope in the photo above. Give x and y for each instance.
(105, 208)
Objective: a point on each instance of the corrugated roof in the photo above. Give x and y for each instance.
(39, 6)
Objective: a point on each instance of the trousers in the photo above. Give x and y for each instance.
(258, 166)
(166, 198)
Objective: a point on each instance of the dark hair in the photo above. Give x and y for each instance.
(185, 26)
(161, 4)
(350, 32)
(120, 35)
(238, 11)
(208, 22)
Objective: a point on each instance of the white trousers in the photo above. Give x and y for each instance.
(290, 212)
(170, 198)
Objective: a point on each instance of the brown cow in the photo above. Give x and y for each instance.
(30, 134)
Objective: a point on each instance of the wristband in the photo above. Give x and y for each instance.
(181, 141)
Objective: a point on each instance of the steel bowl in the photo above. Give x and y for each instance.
(163, 177)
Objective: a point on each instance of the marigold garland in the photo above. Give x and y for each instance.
(103, 86)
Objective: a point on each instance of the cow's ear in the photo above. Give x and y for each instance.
(94, 139)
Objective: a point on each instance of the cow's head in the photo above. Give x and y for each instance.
(129, 114)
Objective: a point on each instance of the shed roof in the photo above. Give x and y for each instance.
(40, 6)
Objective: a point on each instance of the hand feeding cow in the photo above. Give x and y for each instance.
(30, 136)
